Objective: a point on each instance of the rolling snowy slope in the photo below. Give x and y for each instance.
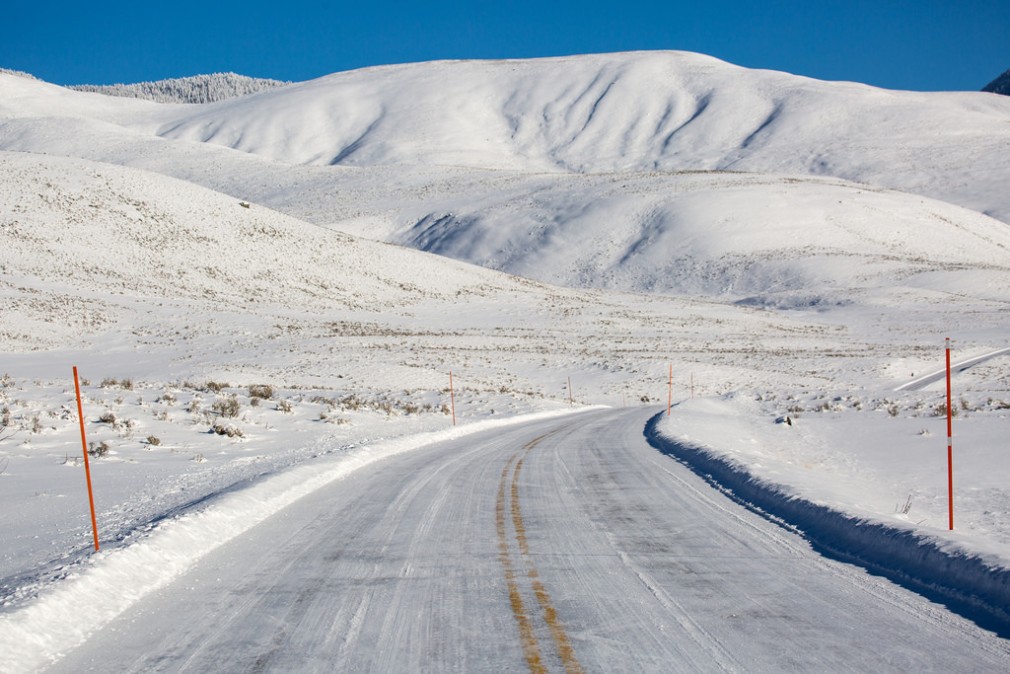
(101, 257)
(773, 240)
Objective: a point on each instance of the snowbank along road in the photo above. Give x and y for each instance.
(560, 545)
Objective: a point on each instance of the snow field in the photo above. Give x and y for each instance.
(156, 450)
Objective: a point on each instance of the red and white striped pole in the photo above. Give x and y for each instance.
(950, 443)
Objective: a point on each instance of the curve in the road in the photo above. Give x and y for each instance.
(920, 383)
(649, 569)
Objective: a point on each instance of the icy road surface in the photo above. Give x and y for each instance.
(559, 545)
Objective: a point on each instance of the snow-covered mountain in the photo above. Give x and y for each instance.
(1000, 85)
(196, 89)
(571, 170)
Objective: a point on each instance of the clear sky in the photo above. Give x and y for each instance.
(898, 44)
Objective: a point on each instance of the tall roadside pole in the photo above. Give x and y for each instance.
(87, 466)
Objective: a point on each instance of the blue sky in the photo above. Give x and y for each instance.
(900, 44)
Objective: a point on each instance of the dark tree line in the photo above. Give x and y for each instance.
(196, 89)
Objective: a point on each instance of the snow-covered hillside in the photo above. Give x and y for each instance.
(785, 241)
(99, 257)
(665, 111)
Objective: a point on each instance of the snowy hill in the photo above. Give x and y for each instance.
(666, 111)
(95, 252)
(77, 235)
(197, 89)
(528, 139)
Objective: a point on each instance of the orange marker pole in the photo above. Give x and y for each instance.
(87, 466)
(669, 396)
(452, 399)
(950, 445)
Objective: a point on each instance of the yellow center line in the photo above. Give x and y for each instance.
(531, 650)
(561, 641)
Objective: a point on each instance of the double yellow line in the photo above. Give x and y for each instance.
(531, 647)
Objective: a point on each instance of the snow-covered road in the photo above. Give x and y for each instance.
(564, 544)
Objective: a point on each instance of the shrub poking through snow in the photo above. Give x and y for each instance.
(264, 391)
(99, 450)
(109, 382)
(227, 407)
(153, 440)
(940, 410)
(227, 430)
